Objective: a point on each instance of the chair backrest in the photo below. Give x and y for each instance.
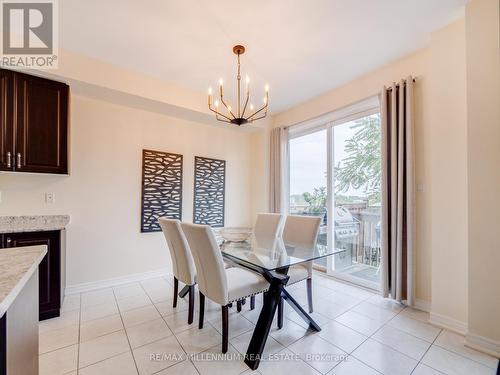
(212, 280)
(267, 228)
(182, 261)
(301, 230)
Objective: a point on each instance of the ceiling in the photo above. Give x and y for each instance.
(301, 48)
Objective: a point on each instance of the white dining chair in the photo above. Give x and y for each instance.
(223, 286)
(266, 231)
(183, 266)
(300, 231)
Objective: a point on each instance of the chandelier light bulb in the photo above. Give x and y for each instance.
(229, 108)
(216, 103)
(265, 100)
(266, 88)
(220, 81)
(251, 107)
(247, 80)
(209, 91)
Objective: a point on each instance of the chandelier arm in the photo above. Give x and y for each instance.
(260, 110)
(217, 113)
(246, 103)
(258, 118)
(225, 105)
(222, 120)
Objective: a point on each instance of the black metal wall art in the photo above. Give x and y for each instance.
(209, 191)
(161, 188)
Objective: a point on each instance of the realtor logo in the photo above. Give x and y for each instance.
(29, 34)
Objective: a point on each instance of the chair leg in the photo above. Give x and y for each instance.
(176, 290)
(191, 304)
(280, 313)
(238, 306)
(310, 295)
(225, 328)
(202, 310)
(252, 302)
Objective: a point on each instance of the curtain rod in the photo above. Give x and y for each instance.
(398, 84)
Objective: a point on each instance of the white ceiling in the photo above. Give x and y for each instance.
(301, 48)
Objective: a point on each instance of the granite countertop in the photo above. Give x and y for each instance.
(17, 265)
(34, 223)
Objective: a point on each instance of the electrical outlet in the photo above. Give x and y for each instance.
(50, 198)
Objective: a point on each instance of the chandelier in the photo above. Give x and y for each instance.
(239, 115)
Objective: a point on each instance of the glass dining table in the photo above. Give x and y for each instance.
(272, 259)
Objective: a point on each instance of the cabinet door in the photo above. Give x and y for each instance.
(49, 270)
(41, 125)
(6, 120)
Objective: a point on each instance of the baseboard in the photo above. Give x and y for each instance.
(423, 305)
(93, 285)
(451, 324)
(483, 344)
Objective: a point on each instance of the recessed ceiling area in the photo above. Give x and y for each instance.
(300, 48)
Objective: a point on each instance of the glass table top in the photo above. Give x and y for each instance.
(271, 255)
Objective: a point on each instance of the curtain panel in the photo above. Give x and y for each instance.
(398, 192)
(278, 170)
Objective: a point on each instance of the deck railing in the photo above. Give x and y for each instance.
(365, 248)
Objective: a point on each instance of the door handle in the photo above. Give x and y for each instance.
(8, 241)
(9, 159)
(18, 160)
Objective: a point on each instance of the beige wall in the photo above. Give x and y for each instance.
(102, 194)
(448, 176)
(483, 126)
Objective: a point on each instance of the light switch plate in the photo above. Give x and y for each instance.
(50, 198)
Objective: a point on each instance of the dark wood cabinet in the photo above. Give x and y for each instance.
(6, 120)
(34, 124)
(49, 270)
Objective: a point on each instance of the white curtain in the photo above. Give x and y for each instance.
(278, 169)
(398, 194)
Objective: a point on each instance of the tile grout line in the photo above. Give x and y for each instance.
(458, 354)
(173, 334)
(368, 337)
(79, 328)
(429, 348)
(125, 330)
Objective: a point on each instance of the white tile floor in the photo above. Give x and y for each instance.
(133, 329)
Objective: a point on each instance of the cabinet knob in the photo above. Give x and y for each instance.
(18, 160)
(9, 159)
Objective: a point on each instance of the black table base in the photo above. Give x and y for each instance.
(272, 299)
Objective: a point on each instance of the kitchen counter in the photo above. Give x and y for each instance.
(32, 223)
(19, 309)
(17, 265)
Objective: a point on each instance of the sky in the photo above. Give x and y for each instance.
(308, 160)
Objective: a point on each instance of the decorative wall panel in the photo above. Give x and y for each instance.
(209, 191)
(161, 188)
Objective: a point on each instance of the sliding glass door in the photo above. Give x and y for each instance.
(308, 180)
(335, 167)
(356, 177)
